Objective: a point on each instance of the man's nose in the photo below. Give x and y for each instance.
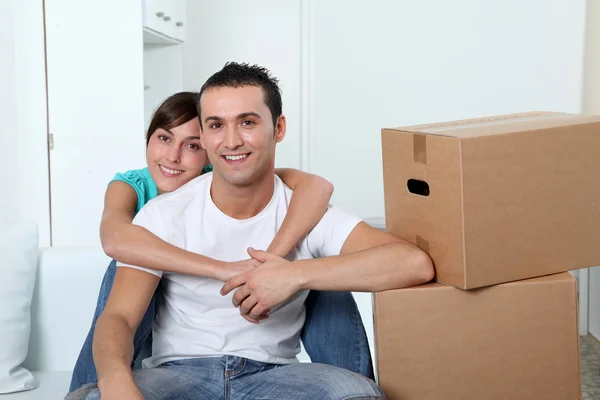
(233, 139)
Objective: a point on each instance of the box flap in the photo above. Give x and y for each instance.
(501, 124)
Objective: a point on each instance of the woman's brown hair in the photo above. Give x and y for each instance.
(176, 110)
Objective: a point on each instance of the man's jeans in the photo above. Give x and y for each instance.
(333, 333)
(232, 378)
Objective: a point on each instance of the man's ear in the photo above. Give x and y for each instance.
(280, 128)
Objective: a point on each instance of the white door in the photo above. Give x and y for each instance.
(95, 106)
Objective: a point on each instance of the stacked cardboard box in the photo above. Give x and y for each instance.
(504, 206)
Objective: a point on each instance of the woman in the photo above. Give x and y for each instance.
(175, 157)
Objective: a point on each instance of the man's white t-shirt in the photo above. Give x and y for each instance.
(194, 319)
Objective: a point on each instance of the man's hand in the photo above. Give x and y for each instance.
(272, 283)
(119, 388)
(231, 269)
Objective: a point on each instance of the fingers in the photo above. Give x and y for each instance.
(247, 311)
(247, 305)
(254, 320)
(259, 311)
(233, 283)
(240, 296)
(258, 255)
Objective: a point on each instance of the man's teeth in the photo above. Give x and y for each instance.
(171, 171)
(238, 157)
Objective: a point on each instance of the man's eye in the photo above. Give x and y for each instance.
(163, 138)
(216, 125)
(193, 146)
(247, 123)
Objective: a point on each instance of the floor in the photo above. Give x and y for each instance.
(590, 368)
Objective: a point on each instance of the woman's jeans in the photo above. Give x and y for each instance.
(333, 333)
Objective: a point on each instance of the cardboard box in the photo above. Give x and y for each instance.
(497, 199)
(512, 341)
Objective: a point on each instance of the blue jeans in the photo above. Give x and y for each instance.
(232, 378)
(333, 333)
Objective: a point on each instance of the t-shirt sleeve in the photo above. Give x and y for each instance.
(330, 234)
(137, 180)
(152, 221)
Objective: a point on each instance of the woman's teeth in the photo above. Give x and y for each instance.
(170, 171)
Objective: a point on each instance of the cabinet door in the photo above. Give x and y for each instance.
(156, 15)
(95, 108)
(165, 17)
(179, 21)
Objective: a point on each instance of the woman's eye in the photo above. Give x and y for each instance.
(193, 146)
(163, 138)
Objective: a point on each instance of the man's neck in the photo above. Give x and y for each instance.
(242, 202)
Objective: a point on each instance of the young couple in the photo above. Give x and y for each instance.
(224, 272)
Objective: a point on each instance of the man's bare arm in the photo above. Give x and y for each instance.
(370, 261)
(113, 338)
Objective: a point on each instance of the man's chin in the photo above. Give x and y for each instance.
(235, 179)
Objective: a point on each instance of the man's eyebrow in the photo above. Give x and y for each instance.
(248, 114)
(212, 117)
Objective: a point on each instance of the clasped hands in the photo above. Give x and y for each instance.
(272, 281)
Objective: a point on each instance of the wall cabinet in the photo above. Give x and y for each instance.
(164, 21)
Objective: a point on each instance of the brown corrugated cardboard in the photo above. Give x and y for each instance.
(516, 341)
(497, 199)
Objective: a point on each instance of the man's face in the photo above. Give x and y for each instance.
(238, 133)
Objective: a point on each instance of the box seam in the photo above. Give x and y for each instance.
(578, 355)
(462, 213)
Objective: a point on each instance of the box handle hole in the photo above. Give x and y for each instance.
(418, 187)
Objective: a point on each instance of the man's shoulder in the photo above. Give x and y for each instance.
(330, 234)
(192, 191)
(335, 215)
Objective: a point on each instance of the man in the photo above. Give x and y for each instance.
(240, 340)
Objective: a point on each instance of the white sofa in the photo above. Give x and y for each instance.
(64, 300)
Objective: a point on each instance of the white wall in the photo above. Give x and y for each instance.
(265, 32)
(163, 75)
(347, 72)
(9, 204)
(382, 64)
(591, 104)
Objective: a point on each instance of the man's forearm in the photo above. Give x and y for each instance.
(113, 350)
(385, 267)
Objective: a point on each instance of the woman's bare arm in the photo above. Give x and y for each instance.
(307, 206)
(132, 244)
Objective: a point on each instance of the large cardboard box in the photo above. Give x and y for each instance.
(497, 199)
(516, 341)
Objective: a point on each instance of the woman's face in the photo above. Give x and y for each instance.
(175, 156)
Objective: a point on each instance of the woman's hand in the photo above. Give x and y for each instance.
(231, 269)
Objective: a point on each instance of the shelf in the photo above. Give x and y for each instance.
(153, 37)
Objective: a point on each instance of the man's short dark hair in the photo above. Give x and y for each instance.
(237, 75)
